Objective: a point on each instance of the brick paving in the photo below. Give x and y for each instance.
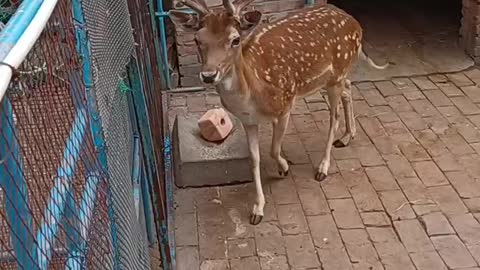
(404, 195)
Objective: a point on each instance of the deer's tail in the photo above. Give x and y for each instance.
(369, 60)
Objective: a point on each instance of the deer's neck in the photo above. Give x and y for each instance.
(238, 79)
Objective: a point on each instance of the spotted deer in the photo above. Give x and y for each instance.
(259, 71)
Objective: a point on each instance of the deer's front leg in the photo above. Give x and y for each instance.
(252, 137)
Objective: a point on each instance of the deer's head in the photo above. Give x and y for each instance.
(219, 35)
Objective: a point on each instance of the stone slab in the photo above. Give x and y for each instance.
(200, 163)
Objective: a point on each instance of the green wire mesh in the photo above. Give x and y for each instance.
(7, 8)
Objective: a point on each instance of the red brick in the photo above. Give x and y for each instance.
(372, 127)
(365, 85)
(381, 178)
(317, 106)
(362, 109)
(311, 195)
(438, 98)
(304, 123)
(292, 219)
(398, 132)
(215, 265)
(300, 107)
(459, 79)
(284, 192)
(314, 98)
(368, 156)
(360, 249)
(414, 152)
(413, 120)
(404, 84)
(429, 173)
(245, 263)
(238, 248)
(396, 205)
(330, 248)
(274, 263)
(269, 240)
(357, 182)
(356, 95)
(475, 120)
(450, 90)
(437, 123)
(385, 114)
(424, 83)
(473, 204)
(466, 186)
(473, 74)
(373, 97)
(186, 229)
(447, 162)
(468, 229)
(453, 251)
(294, 150)
(473, 92)
(300, 251)
(345, 214)
(452, 114)
(438, 78)
(334, 187)
(465, 105)
(424, 108)
(387, 88)
(375, 219)
(190, 259)
(413, 236)
(399, 104)
(456, 144)
(414, 95)
(428, 260)
(470, 133)
(386, 145)
(448, 200)
(470, 163)
(414, 189)
(399, 166)
(436, 224)
(431, 142)
(390, 249)
(212, 232)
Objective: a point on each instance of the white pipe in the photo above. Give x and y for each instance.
(25, 43)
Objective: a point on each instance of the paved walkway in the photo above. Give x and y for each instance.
(405, 195)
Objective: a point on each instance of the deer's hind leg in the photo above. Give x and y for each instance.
(350, 128)
(279, 128)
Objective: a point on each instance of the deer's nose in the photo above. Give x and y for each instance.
(208, 76)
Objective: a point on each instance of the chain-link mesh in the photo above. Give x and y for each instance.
(7, 8)
(58, 208)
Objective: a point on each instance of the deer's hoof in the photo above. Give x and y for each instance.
(283, 174)
(320, 176)
(339, 144)
(255, 219)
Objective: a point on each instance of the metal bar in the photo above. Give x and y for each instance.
(62, 184)
(163, 41)
(147, 206)
(167, 159)
(87, 205)
(158, 53)
(309, 2)
(17, 24)
(15, 187)
(136, 174)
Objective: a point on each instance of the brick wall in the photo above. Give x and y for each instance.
(470, 29)
(188, 61)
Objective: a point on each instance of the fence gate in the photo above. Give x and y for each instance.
(84, 163)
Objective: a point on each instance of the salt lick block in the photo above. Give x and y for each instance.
(215, 125)
(199, 163)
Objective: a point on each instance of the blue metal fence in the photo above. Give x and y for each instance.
(58, 207)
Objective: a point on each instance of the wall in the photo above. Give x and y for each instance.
(470, 29)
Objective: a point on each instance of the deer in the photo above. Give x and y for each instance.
(260, 69)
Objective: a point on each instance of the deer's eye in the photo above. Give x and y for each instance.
(235, 42)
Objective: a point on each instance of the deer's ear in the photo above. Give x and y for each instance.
(185, 21)
(249, 20)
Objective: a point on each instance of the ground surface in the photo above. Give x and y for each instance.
(405, 194)
(420, 37)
